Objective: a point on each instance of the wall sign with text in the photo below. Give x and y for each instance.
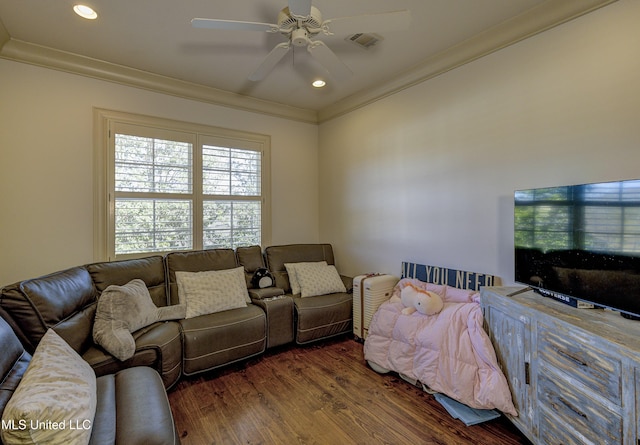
(450, 277)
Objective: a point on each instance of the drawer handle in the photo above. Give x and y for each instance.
(571, 357)
(572, 408)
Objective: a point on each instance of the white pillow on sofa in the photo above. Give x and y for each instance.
(318, 279)
(212, 290)
(55, 402)
(292, 271)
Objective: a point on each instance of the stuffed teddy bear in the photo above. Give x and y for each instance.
(423, 301)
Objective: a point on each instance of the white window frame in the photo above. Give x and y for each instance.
(106, 121)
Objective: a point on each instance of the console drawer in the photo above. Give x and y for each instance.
(567, 351)
(565, 410)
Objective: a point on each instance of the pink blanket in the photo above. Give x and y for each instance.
(449, 352)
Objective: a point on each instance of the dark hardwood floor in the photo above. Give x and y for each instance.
(320, 394)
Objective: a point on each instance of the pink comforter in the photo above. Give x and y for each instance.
(448, 352)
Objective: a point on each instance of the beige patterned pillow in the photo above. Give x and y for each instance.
(55, 402)
(212, 290)
(293, 274)
(318, 279)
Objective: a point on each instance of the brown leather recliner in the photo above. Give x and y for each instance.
(162, 340)
(66, 302)
(214, 340)
(135, 397)
(317, 317)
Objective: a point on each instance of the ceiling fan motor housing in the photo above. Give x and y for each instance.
(311, 24)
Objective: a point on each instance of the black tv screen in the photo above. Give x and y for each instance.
(581, 241)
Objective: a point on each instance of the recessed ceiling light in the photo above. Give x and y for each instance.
(85, 11)
(319, 83)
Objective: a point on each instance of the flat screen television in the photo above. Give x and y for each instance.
(581, 241)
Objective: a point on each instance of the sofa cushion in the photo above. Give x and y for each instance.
(212, 291)
(323, 316)
(197, 261)
(123, 310)
(251, 258)
(133, 409)
(277, 256)
(59, 389)
(63, 300)
(319, 279)
(149, 269)
(292, 272)
(214, 340)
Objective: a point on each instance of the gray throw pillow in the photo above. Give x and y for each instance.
(123, 310)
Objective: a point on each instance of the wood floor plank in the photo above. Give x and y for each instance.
(318, 395)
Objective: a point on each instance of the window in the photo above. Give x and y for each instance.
(165, 186)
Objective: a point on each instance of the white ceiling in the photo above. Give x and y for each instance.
(144, 38)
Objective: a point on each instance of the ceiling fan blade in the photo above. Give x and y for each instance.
(233, 25)
(270, 61)
(329, 60)
(300, 8)
(385, 21)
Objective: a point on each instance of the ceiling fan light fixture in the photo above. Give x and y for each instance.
(318, 83)
(300, 37)
(86, 12)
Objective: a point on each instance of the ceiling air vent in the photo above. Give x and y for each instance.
(365, 40)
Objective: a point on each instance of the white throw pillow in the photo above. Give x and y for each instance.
(212, 290)
(55, 402)
(317, 279)
(293, 274)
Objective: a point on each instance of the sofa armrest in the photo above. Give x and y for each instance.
(133, 408)
(264, 293)
(280, 319)
(158, 346)
(348, 283)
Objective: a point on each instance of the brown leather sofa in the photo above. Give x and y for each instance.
(134, 398)
(66, 302)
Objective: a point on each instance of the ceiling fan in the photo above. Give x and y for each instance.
(300, 22)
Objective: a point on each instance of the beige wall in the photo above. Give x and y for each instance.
(428, 174)
(425, 175)
(46, 159)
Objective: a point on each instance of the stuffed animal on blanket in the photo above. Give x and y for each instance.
(423, 301)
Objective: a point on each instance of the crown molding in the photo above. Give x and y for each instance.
(546, 15)
(21, 51)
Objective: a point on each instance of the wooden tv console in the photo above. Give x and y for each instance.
(574, 373)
